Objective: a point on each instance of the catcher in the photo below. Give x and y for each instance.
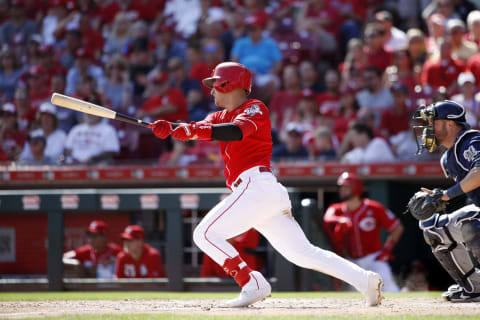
(454, 237)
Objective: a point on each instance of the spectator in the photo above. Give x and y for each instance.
(321, 147)
(377, 56)
(97, 258)
(117, 87)
(260, 54)
(168, 46)
(83, 66)
(199, 68)
(308, 113)
(67, 118)
(197, 106)
(354, 225)
(436, 30)
(26, 114)
(309, 76)
(347, 112)
(354, 65)
(462, 48)
(468, 98)
(38, 86)
(395, 119)
(366, 147)
(235, 18)
(444, 70)
(284, 102)
(57, 11)
(396, 38)
(138, 259)
(375, 96)
(91, 142)
(118, 37)
(17, 29)
(54, 137)
(73, 42)
(329, 101)
(10, 73)
(403, 70)
(246, 244)
(416, 47)
(46, 58)
(473, 23)
(141, 63)
(185, 153)
(11, 139)
(36, 146)
(444, 7)
(163, 102)
(292, 149)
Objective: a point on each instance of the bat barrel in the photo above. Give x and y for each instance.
(125, 118)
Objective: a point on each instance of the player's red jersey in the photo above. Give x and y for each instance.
(367, 222)
(89, 258)
(255, 148)
(148, 266)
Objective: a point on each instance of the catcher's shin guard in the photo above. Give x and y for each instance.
(452, 255)
(471, 236)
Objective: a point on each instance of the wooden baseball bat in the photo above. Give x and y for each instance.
(93, 109)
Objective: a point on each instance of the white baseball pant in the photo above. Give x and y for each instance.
(259, 201)
(381, 267)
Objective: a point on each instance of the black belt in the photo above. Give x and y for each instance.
(260, 169)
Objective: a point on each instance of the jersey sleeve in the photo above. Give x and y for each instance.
(387, 218)
(252, 118)
(119, 265)
(468, 153)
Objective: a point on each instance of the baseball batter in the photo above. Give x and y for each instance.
(355, 225)
(257, 199)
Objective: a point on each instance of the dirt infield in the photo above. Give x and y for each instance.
(323, 306)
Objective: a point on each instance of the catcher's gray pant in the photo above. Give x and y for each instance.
(452, 236)
(259, 201)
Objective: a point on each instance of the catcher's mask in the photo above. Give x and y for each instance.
(424, 122)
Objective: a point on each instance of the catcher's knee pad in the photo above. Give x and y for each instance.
(452, 256)
(471, 236)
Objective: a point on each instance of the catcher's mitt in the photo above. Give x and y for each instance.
(424, 205)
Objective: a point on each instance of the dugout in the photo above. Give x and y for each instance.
(45, 210)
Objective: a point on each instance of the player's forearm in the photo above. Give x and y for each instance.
(396, 234)
(469, 183)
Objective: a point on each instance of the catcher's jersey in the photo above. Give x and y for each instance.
(462, 157)
(255, 148)
(367, 222)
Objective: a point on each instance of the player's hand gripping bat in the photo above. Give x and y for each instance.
(93, 109)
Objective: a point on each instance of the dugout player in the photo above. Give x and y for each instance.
(138, 259)
(354, 225)
(257, 200)
(454, 235)
(97, 258)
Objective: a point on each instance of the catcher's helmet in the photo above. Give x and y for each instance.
(228, 76)
(351, 179)
(442, 110)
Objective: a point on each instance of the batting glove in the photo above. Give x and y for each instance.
(386, 253)
(161, 128)
(193, 131)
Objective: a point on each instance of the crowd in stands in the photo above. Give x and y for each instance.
(341, 77)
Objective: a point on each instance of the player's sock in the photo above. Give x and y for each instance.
(238, 269)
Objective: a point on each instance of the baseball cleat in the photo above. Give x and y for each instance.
(373, 295)
(463, 296)
(256, 289)
(451, 290)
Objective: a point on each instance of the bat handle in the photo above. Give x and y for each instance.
(125, 118)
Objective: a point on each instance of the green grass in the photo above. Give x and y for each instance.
(287, 317)
(37, 296)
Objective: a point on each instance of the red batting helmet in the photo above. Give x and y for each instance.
(351, 179)
(228, 76)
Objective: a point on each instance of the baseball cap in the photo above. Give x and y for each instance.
(133, 232)
(294, 127)
(49, 108)
(465, 77)
(455, 24)
(437, 18)
(36, 70)
(98, 227)
(307, 94)
(36, 135)
(254, 21)
(383, 16)
(9, 108)
(158, 77)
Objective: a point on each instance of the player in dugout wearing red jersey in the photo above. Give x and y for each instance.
(354, 226)
(97, 258)
(138, 259)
